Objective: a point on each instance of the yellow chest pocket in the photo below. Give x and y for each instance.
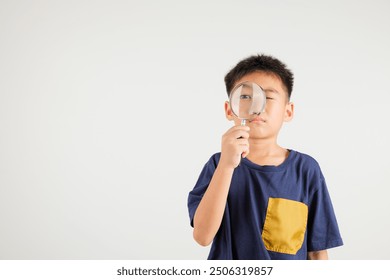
(285, 225)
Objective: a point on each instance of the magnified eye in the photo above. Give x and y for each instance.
(247, 100)
(244, 96)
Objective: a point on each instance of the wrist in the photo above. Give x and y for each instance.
(225, 166)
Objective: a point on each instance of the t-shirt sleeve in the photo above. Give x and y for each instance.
(195, 196)
(323, 231)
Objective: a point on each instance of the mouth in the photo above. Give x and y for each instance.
(257, 120)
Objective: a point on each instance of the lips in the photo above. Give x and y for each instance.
(258, 120)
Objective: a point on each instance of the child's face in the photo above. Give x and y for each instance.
(277, 109)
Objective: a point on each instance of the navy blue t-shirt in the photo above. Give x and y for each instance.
(272, 212)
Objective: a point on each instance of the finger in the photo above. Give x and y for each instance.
(245, 154)
(245, 150)
(243, 147)
(238, 131)
(242, 142)
(239, 134)
(238, 128)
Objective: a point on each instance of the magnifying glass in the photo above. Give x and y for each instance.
(247, 101)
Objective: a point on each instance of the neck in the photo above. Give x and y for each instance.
(263, 146)
(266, 152)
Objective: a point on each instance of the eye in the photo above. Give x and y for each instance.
(244, 96)
(270, 98)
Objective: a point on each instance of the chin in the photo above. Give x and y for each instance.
(258, 136)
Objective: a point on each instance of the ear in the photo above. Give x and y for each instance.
(228, 111)
(289, 112)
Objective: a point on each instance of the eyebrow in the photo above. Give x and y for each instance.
(270, 90)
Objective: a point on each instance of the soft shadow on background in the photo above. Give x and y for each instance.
(109, 110)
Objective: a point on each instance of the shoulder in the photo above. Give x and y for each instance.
(310, 173)
(208, 171)
(214, 160)
(306, 163)
(211, 163)
(305, 158)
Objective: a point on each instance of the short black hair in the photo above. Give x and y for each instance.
(260, 63)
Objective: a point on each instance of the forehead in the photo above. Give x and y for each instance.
(268, 81)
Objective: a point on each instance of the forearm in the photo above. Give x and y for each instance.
(209, 213)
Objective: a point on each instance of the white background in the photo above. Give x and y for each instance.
(109, 110)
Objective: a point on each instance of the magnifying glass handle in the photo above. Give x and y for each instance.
(243, 122)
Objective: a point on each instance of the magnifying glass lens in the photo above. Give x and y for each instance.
(247, 100)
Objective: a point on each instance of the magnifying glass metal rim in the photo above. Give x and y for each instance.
(243, 120)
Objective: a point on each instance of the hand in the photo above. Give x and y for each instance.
(234, 146)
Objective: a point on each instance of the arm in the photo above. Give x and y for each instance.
(318, 255)
(208, 215)
(210, 211)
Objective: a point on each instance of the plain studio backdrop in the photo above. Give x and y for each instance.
(110, 109)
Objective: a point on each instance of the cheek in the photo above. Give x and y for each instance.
(275, 112)
(274, 108)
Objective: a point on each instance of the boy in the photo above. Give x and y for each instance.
(255, 199)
